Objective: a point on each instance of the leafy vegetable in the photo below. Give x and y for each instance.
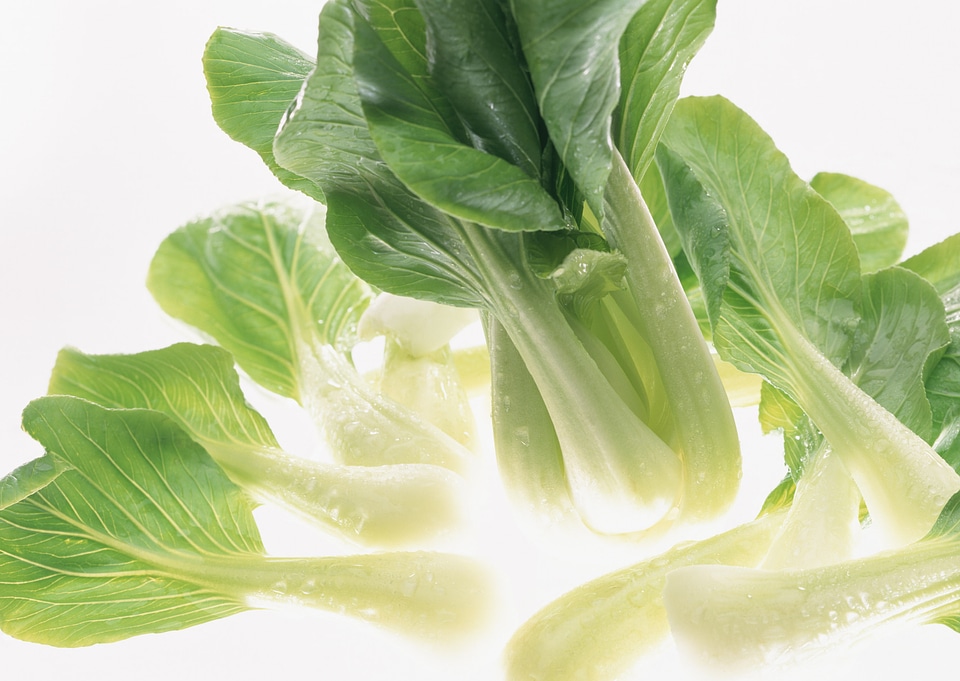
(736, 618)
(876, 221)
(784, 299)
(380, 214)
(638, 264)
(262, 280)
(815, 526)
(141, 532)
(622, 612)
(198, 388)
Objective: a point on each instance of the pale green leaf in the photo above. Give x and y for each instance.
(876, 221)
(263, 281)
(253, 78)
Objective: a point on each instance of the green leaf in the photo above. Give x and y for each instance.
(789, 303)
(383, 232)
(938, 264)
(197, 386)
(142, 532)
(571, 48)
(876, 221)
(28, 478)
(262, 280)
(418, 144)
(473, 60)
(766, 232)
(264, 283)
(253, 78)
(943, 386)
(92, 556)
(655, 49)
(948, 524)
(900, 339)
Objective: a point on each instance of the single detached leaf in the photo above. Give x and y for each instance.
(657, 46)
(418, 144)
(142, 532)
(94, 555)
(571, 49)
(264, 282)
(253, 78)
(876, 221)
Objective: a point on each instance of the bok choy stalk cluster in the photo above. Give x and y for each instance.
(635, 259)
(452, 173)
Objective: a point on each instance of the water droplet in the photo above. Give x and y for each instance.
(523, 436)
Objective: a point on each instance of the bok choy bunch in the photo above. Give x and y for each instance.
(457, 165)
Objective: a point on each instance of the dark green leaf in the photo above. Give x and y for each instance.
(473, 61)
(384, 233)
(655, 49)
(418, 144)
(571, 47)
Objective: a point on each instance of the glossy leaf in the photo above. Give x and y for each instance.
(385, 234)
(571, 48)
(657, 46)
(419, 145)
(473, 60)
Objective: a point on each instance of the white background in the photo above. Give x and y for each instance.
(107, 145)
